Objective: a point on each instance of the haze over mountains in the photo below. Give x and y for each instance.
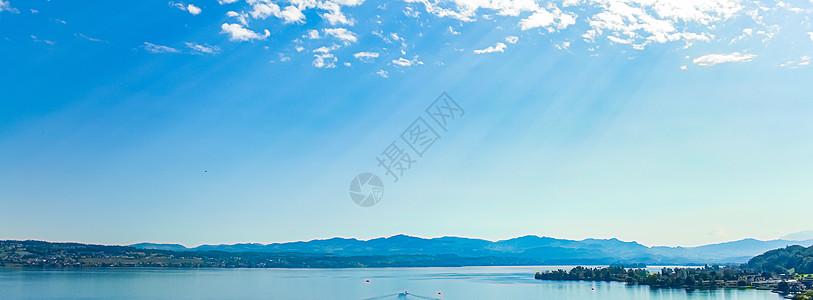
(531, 248)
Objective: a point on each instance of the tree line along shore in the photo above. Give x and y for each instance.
(788, 271)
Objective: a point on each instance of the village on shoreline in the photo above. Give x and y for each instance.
(701, 278)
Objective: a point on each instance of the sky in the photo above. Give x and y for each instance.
(221, 121)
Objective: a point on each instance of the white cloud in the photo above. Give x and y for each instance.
(291, 14)
(203, 49)
(90, 38)
(334, 14)
(715, 59)
(643, 22)
(746, 32)
(562, 45)
(499, 47)
(810, 35)
(383, 73)
(264, 9)
(153, 48)
(5, 6)
(803, 61)
(403, 62)
(347, 2)
(194, 10)
(544, 18)
(684, 68)
(633, 24)
(324, 60)
(36, 39)
(539, 18)
(567, 3)
(367, 57)
(618, 40)
(701, 11)
(241, 34)
(410, 12)
(322, 49)
(342, 34)
(241, 17)
(465, 10)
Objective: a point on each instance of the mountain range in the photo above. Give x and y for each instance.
(545, 250)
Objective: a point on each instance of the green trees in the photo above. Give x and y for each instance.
(702, 278)
(806, 296)
(797, 258)
(783, 287)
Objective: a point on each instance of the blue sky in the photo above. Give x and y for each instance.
(664, 122)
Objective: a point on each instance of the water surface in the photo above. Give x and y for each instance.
(328, 284)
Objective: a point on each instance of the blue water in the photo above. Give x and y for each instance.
(445, 283)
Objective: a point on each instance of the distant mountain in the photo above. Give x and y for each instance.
(529, 248)
(152, 246)
(799, 236)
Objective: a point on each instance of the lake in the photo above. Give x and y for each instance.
(328, 284)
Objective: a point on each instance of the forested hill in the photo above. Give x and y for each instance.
(796, 258)
(45, 254)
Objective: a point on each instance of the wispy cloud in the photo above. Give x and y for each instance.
(203, 49)
(716, 59)
(403, 62)
(153, 48)
(90, 38)
(191, 8)
(367, 57)
(5, 6)
(36, 39)
(324, 60)
(342, 34)
(499, 47)
(802, 62)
